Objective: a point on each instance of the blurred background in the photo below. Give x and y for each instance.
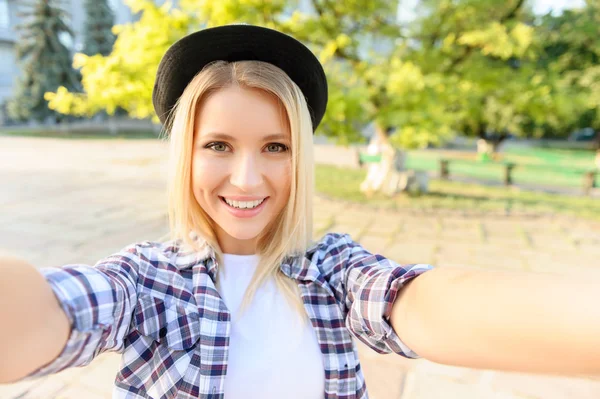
(477, 91)
(458, 132)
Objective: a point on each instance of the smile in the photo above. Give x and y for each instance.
(244, 209)
(243, 204)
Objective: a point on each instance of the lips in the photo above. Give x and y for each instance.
(244, 213)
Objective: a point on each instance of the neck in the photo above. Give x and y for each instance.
(234, 246)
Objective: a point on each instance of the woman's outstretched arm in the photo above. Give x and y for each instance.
(34, 328)
(516, 321)
(98, 303)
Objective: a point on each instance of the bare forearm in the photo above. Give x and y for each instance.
(515, 321)
(34, 328)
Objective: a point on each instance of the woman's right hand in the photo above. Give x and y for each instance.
(33, 327)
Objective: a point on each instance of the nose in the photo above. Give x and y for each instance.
(246, 173)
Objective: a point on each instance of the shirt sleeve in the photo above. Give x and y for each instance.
(98, 302)
(369, 285)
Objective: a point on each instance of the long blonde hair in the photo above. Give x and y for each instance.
(290, 233)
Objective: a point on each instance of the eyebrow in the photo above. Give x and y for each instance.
(224, 136)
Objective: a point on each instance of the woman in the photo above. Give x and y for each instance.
(239, 303)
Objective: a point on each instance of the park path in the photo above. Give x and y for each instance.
(70, 201)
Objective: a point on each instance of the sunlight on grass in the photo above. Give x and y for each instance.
(537, 166)
(344, 184)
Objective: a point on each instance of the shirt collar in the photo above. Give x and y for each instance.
(187, 257)
(299, 267)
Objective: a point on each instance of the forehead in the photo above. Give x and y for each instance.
(241, 113)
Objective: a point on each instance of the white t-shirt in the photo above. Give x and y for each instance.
(272, 353)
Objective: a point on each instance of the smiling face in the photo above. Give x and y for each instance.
(241, 164)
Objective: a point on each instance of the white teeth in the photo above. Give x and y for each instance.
(244, 204)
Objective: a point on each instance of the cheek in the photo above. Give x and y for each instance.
(206, 175)
(282, 175)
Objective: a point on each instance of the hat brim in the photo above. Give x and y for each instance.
(188, 56)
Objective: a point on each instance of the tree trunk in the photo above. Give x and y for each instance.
(489, 146)
(597, 145)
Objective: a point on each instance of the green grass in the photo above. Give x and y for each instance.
(556, 156)
(540, 166)
(88, 135)
(339, 183)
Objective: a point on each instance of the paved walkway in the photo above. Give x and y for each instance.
(78, 201)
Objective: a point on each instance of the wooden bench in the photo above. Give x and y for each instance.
(589, 177)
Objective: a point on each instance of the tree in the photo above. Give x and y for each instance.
(572, 50)
(361, 46)
(413, 82)
(97, 33)
(416, 83)
(496, 59)
(460, 66)
(125, 78)
(46, 62)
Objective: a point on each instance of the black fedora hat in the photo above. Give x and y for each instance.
(239, 42)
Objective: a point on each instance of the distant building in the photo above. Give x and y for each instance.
(8, 66)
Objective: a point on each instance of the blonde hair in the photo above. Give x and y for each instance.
(290, 233)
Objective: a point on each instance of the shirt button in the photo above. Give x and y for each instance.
(163, 332)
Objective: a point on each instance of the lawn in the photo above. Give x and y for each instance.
(344, 184)
(537, 166)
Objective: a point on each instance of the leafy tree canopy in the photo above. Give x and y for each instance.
(460, 66)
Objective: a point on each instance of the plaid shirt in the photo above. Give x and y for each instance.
(156, 303)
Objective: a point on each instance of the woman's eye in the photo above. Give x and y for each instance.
(276, 147)
(219, 147)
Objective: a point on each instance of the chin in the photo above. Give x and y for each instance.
(243, 234)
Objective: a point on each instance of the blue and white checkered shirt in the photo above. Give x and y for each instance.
(157, 304)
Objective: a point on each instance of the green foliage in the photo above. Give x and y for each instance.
(460, 66)
(45, 61)
(125, 78)
(98, 37)
(571, 44)
(491, 48)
